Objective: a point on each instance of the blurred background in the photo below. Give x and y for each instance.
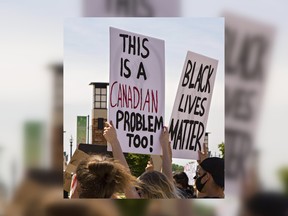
(31, 106)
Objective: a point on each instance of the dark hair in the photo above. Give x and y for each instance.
(186, 190)
(267, 203)
(101, 177)
(182, 179)
(214, 166)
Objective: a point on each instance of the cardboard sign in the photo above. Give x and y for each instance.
(137, 90)
(191, 106)
(77, 157)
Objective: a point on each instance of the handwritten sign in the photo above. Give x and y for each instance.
(191, 106)
(248, 46)
(137, 90)
(131, 8)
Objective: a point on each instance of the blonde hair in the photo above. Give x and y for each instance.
(101, 177)
(155, 185)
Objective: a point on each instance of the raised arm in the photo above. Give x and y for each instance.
(111, 137)
(167, 154)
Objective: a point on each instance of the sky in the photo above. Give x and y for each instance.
(86, 59)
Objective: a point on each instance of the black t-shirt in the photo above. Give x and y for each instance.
(187, 193)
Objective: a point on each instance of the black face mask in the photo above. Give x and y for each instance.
(199, 185)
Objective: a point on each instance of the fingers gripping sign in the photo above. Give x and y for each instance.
(203, 155)
(110, 133)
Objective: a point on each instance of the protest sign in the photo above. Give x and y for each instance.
(137, 90)
(190, 170)
(248, 46)
(131, 8)
(191, 106)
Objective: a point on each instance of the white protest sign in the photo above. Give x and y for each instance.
(131, 8)
(191, 106)
(190, 170)
(248, 46)
(137, 90)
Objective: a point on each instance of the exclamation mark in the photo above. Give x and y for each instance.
(151, 143)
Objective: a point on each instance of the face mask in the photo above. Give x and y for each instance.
(199, 185)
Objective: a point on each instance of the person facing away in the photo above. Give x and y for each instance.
(151, 184)
(100, 177)
(182, 183)
(155, 185)
(264, 203)
(210, 178)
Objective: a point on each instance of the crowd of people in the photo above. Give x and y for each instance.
(104, 177)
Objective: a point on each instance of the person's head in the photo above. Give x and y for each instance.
(181, 179)
(210, 175)
(155, 185)
(101, 177)
(265, 203)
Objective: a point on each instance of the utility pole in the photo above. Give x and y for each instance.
(88, 131)
(71, 141)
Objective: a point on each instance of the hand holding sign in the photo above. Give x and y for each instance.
(111, 137)
(202, 155)
(110, 133)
